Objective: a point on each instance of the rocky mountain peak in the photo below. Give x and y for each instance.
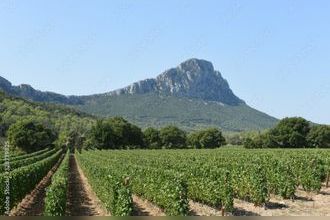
(194, 78)
(196, 66)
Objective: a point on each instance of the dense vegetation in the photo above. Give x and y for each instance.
(24, 179)
(107, 182)
(291, 133)
(56, 194)
(153, 110)
(213, 177)
(37, 125)
(30, 136)
(115, 133)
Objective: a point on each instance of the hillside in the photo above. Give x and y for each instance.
(158, 110)
(62, 117)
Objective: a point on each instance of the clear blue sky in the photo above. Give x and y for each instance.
(275, 54)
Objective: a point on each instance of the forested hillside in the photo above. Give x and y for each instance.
(57, 117)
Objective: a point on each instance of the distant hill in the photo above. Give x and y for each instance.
(26, 91)
(192, 95)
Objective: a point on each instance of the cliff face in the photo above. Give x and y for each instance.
(193, 78)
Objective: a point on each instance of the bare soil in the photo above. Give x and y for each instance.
(33, 204)
(304, 205)
(82, 201)
(143, 207)
(199, 209)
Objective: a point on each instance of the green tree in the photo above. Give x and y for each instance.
(319, 136)
(152, 138)
(193, 139)
(101, 136)
(212, 138)
(172, 137)
(115, 133)
(30, 136)
(208, 138)
(126, 134)
(290, 132)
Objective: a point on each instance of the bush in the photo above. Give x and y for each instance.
(290, 132)
(115, 133)
(30, 136)
(101, 136)
(172, 137)
(319, 136)
(152, 138)
(208, 138)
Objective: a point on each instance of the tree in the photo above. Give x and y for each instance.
(212, 138)
(152, 138)
(208, 138)
(126, 134)
(319, 136)
(30, 136)
(101, 136)
(172, 137)
(115, 133)
(263, 140)
(193, 140)
(290, 132)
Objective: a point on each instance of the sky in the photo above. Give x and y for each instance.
(275, 54)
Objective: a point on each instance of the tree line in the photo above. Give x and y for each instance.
(111, 133)
(295, 132)
(117, 133)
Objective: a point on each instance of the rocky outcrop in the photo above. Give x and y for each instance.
(193, 78)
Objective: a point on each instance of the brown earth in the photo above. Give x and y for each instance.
(33, 203)
(145, 208)
(305, 204)
(82, 201)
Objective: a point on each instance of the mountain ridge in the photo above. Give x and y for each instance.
(191, 95)
(28, 92)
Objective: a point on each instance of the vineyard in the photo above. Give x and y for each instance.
(173, 181)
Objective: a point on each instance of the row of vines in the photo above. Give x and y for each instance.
(20, 174)
(170, 178)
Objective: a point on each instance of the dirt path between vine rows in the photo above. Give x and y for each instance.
(143, 207)
(81, 201)
(33, 203)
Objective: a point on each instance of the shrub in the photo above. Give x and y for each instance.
(208, 138)
(152, 138)
(30, 136)
(319, 136)
(172, 137)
